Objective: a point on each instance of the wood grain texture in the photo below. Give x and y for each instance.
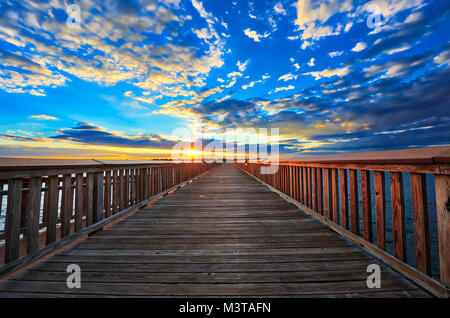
(343, 186)
(380, 207)
(354, 201)
(66, 205)
(443, 217)
(398, 215)
(33, 212)
(52, 214)
(223, 235)
(79, 198)
(98, 198)
(335, 195)
(327, 193)
(366, 205)
(107, 196)
(320, 190)
(421, 223)
(12, 222)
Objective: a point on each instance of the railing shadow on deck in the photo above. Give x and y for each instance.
(342, 191)
(51, 203)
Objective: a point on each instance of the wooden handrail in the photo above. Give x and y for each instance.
(339, 191)
(64, 197)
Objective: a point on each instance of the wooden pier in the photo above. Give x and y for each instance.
(228, 233)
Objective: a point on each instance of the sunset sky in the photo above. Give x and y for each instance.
(333, 75)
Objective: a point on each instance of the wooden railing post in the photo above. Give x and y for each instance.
(107, 193)
(354, 201)
(366, 205)
(335, 195)
(398, 215)
(344, 197)
(98, 203)
(380, 207)
(79, 198)
(52, 213)
(33, 210)
(66, 205)
(12, 224)
(421, 223)
(327, 193)
(442, 186)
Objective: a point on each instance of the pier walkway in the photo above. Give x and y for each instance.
(225, 234)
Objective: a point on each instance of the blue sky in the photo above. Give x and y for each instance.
(334, 75)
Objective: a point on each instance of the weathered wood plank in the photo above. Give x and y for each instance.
(354, 199)
(33, 212)
(79, 198)
(327, 193)
(90, 199)
(335, 195)
(66, 205)
(366, 205)
(443, 217)
(52, 214)
(12, 222)
(398, 215)
(107, 194)
(98, 198)
(380, 206)
(421, 224)
(343, 186)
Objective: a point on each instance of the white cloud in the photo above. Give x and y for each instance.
(348, 26)
(334, 54)
(242, 66)
(234, 74)
(329, 73)
(312, 15)
(167, 68)
(232, 83)
(306, 44)
(360, 46)
(398, 50)
(201, 10)
(43, 117)
(251, 84)
(279, 9)
(280, 89)
(254, 35)
(312, 62)
(288, 77)
(443, 58)
(203, 34)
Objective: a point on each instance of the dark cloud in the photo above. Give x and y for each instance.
(427, 22)
(93, 135)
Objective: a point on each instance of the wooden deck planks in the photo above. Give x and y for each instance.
(223, 235)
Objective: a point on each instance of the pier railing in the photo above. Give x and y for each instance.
(362, 197)
(52, 202)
